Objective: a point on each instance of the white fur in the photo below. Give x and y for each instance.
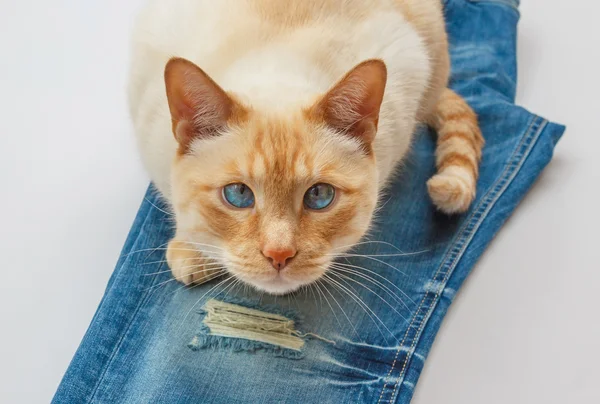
(287, 71)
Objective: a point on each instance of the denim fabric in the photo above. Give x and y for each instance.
(143, 344)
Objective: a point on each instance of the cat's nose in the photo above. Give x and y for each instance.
(279, 258)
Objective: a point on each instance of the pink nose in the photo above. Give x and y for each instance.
(279, 258)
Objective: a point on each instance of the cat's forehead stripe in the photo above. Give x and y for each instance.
(279, 151)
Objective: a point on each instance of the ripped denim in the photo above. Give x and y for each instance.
(362, 335)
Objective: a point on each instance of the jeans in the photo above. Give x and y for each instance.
(363, 334)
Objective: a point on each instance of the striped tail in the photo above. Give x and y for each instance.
(458, 154)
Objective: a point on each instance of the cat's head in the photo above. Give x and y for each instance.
(273, 196)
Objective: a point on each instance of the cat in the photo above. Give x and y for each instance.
(272, 126)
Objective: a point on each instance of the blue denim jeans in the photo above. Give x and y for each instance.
(365, 335)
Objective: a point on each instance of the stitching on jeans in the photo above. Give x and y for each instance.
(123, 335)
(514, 4)
(450, 253)
(456, 243)
(531, 135)
(400, 348)
(424, 322)
(122, 338)
(464, 237)
(102, 303)
(535, 128)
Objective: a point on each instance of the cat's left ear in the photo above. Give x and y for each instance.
(199, 107)
(352, 105)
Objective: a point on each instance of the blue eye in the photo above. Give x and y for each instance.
(238, 195)
(319, 196)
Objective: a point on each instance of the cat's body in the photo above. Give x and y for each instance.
(277, 60)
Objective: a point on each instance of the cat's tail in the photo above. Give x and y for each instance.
(458, 154)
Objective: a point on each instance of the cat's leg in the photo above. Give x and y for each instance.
(188, 265)
(458, 153)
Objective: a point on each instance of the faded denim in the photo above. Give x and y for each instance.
(147, 343)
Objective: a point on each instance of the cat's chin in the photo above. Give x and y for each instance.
(278, 285)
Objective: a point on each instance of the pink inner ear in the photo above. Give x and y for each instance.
(352, 105)
(199, 107)
(182, 111)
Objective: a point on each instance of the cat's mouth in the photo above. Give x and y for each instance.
(277, 286)
(278, 282)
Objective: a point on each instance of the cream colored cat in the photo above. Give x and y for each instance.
(271, 126)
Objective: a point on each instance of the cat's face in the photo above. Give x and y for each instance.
(273, 196)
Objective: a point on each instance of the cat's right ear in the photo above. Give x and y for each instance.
(352, 106)
(199, 107)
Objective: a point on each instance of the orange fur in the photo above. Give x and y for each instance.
(458, 154)
(279, 157)
(278, 160)
(292, 113)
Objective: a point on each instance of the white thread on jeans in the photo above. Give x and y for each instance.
(234, 321)
(518, 157)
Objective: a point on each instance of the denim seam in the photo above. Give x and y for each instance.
(141, 303)
(102, 302)
(511, 3)
(472, 225)
(462, 241)
(134, 315)
(400, 348)
(118, 272)
(528, 140)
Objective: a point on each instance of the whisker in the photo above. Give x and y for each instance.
(165, 247)
(380, 207)
(360, 304)
(157, 208)
(202, 297)
(327, 300)
(320, 298)
(310, 288)
(210, 278)
(203, 269)
(180, 277)
(159, 248)
(364, 307)
(370, 290)
(368, 242)
(373, 259)
(206, 255)
(343, 311)
(375, 282)
(379, 255)
(202, 244)
(228, 288)
(166, 261)
(236, 283)
(190, 266)
(145, 249)
(348, 266)
(295, 300)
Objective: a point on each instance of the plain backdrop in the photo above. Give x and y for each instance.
(524, 329)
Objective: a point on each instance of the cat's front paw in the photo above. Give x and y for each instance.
(188, 265)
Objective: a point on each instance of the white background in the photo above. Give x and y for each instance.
(524, 329)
